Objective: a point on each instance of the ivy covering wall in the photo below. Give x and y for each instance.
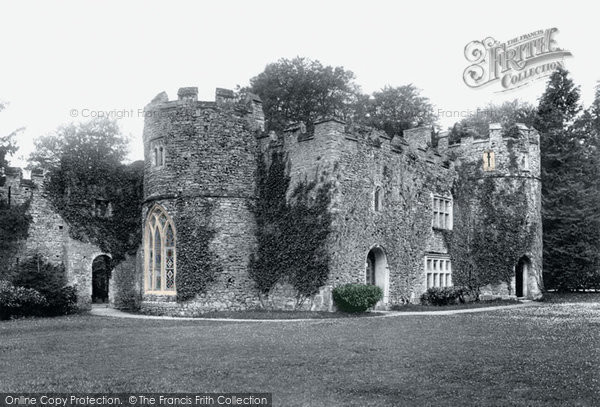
(492, 230)
(117, 230)
(14, 226)
(291, 231)
(197, 265)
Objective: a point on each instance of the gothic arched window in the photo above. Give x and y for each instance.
(160, 255)
(158, 152)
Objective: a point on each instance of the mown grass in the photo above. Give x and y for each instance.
(261, 314)
(534, 356)
(465, 306)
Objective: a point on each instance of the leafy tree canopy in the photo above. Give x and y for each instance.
(507, 114)
(395, 109)
(302, 89)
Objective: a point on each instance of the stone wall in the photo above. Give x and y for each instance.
(357, 161)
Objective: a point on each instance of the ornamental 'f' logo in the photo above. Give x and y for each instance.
(513, 63)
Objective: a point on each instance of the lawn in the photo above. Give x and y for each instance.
(534, 356)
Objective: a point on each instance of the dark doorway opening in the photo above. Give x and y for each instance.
(521, 277)
(101, 271)
(371, 268)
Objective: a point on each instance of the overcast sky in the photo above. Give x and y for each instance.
(116, 56)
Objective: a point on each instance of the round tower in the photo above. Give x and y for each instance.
(199, 184)
(505, 170)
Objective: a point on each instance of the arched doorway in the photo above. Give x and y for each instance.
(101, 270)
(377, 271)
(521, 275)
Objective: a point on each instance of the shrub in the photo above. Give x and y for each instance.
(447, 295)
(356, 297)
(36, 273)
(20, 301)
(50, 281)
(61, 302)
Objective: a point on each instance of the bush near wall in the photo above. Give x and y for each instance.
(20, 301)
(356, 297)
(447, 296)
(50, 281)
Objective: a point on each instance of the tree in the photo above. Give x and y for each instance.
(395, 109)
(7, 143)
(559, 105)
(90, 187)
(507, 114)
(303, 90)
(570, 193)
(97, 144)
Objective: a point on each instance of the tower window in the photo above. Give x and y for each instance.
(158, 154)
(377, 199)
(525, 162)
(489, 163)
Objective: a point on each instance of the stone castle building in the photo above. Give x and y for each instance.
(391, 200)
(392, 207)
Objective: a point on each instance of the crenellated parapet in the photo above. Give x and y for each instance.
(331, 138)
(513, 152)
(15, 188)
(195, 147)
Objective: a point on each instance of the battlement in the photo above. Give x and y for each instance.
(497, 135)
(503, 152)
(15, 188)
(188, 96)
(13, 176)
(188, 108)
(337, 136)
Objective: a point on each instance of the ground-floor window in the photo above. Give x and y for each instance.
(159, 245)
(438, 271)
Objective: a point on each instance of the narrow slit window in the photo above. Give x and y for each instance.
(489, 163)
